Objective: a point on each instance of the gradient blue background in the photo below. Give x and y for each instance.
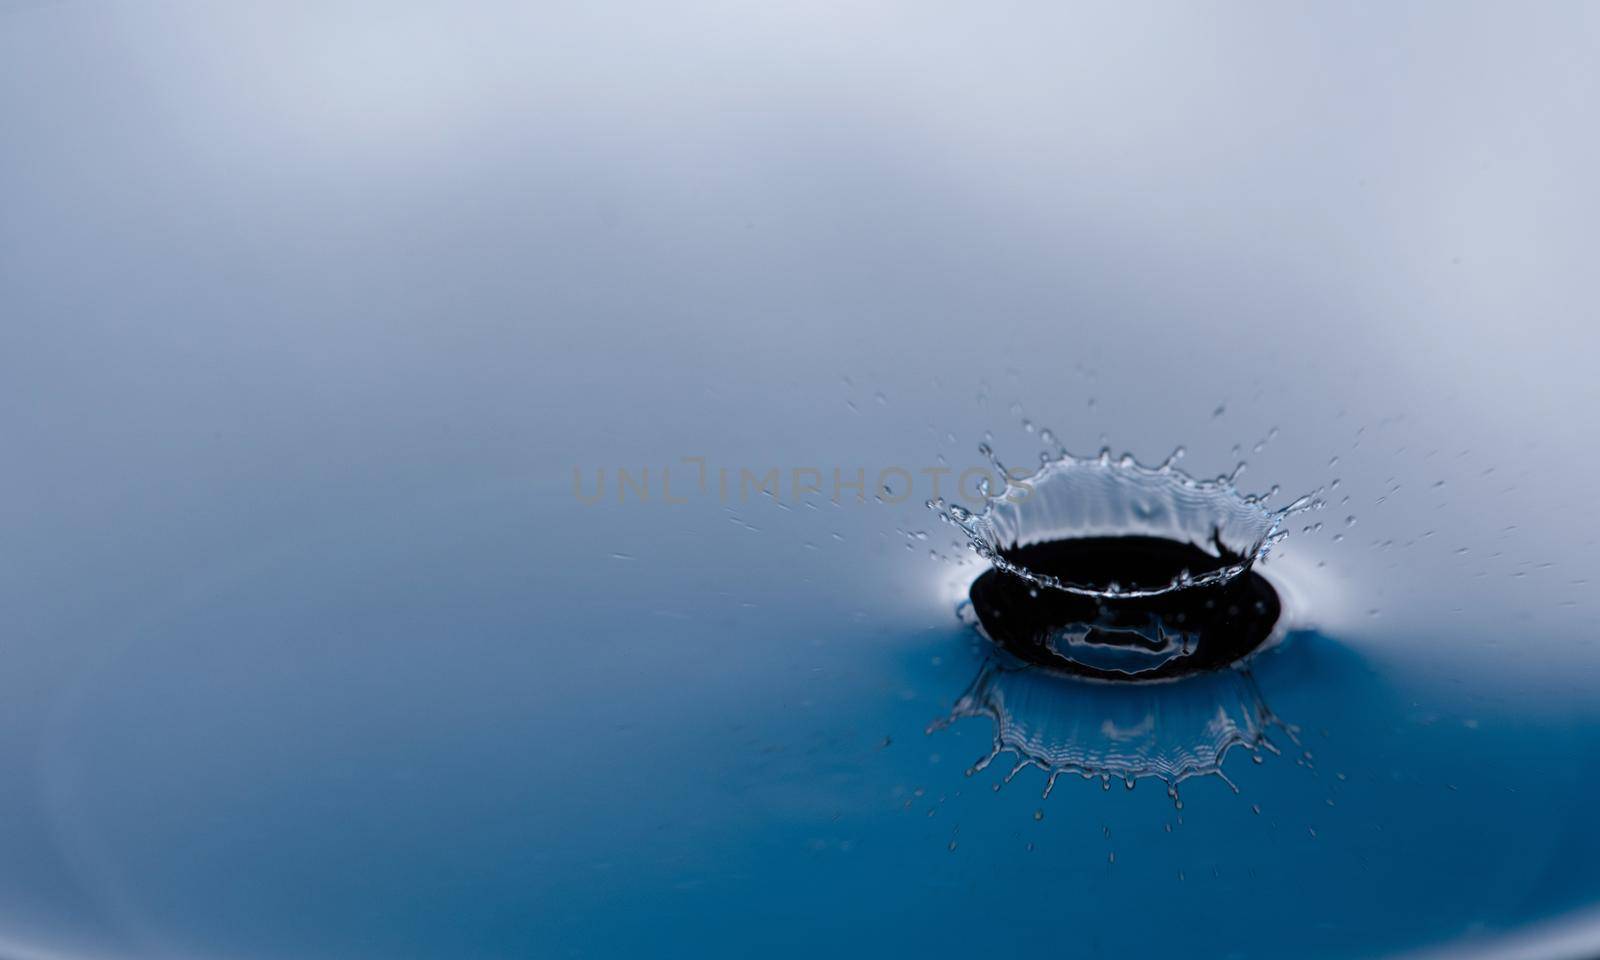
(308, 311)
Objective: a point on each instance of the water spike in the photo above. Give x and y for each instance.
(994, 461)
(1302, 503)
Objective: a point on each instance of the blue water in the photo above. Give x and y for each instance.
(308, 314)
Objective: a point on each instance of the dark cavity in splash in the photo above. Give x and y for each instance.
(1147, 638)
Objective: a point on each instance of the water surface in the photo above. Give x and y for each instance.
(311, 312)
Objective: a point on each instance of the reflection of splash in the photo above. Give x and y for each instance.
(1117, 731)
